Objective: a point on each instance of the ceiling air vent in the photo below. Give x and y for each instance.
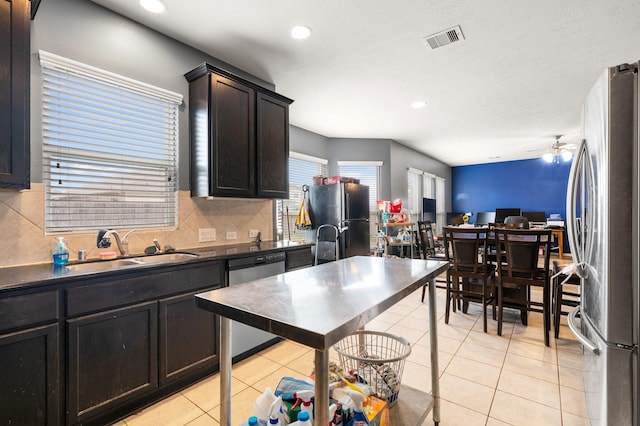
(452, 35)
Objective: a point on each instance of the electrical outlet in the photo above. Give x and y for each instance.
(206, 235)
(253, 233)
(232, 235)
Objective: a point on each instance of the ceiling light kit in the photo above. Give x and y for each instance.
(559, 151)
(300, 32)
(418, 104)
(153, 6)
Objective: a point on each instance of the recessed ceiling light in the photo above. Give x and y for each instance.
(153, 6)
(418, 104)
(300, 32)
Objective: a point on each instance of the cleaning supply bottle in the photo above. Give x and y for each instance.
(252, 421)
(262, 405)
(359, 417)
(60, 252)
(303, 420)
(304, 401)
(274, 420)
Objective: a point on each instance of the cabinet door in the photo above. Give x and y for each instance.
(232, 138)
(29, 377)
(187, 338)
(272, 144)
(112, 358)
(14, 94)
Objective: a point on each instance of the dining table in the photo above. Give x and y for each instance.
(320, 305)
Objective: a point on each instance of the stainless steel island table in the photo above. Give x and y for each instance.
(317, 307)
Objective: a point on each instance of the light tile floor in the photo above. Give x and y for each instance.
(484, 379)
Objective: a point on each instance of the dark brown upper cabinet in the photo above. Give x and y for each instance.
(14, 92)
(239, 136)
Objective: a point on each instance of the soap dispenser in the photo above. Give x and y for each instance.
(60, 252)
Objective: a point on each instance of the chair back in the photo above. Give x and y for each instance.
(466, 248)
(517, 251)
(521, 220)
(426, 240)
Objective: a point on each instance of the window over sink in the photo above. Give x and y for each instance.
(110, 149)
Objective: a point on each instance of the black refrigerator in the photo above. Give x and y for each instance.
(345, 205)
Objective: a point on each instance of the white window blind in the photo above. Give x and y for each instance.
(429, 185)
(368, 172)
(441, 212)
(414, 193)
(110, 149)
(302, 169)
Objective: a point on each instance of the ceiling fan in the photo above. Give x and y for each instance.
(559, 151)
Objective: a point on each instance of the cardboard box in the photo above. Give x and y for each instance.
(339, 179)
(377, 411)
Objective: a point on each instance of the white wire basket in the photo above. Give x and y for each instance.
(375, 358)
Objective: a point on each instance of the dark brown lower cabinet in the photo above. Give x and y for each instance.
(112, 358)
(29, 376)
(187, 338)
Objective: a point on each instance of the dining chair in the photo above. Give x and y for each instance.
(518, 267)
(517, 293)
(561, 296)
(470, 277)
(522, 221)
(428, 249)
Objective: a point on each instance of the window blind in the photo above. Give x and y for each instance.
(110, 149)
(369, 174)
(302, 169)
(414, 193)
(441, 212)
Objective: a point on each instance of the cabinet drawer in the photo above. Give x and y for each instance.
(142, 286)
(299, 258)
(30, 309)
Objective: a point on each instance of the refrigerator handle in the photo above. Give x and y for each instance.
(348, 199)
(575, 329)
(572, 201)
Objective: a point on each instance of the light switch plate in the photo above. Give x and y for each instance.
(253, 233)
(231, 235)
(206, 235)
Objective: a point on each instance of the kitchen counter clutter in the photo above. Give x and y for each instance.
(304, 306)
(15, 277)
(90, 346)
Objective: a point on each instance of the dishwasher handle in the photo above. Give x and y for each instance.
(255, 260)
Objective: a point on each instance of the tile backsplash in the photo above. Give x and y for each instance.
(23, 240)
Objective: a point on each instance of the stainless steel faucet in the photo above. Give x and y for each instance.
(105, 242)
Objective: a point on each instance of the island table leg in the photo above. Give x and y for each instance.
(225, 371)
(321, 370)
(433, 334)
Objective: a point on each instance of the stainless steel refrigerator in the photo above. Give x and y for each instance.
(603, 235)
(345, 205)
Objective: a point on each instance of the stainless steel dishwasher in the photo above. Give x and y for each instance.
(245, 340)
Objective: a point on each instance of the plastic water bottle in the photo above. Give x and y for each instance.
(252, 421)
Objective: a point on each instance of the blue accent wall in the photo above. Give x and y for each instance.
(532, 185)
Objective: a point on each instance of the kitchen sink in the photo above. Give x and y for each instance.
(107, 265)
(162, 258)
(103, 265)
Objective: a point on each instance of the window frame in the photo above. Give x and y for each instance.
(98, 174)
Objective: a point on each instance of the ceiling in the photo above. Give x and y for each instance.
(516, 80)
